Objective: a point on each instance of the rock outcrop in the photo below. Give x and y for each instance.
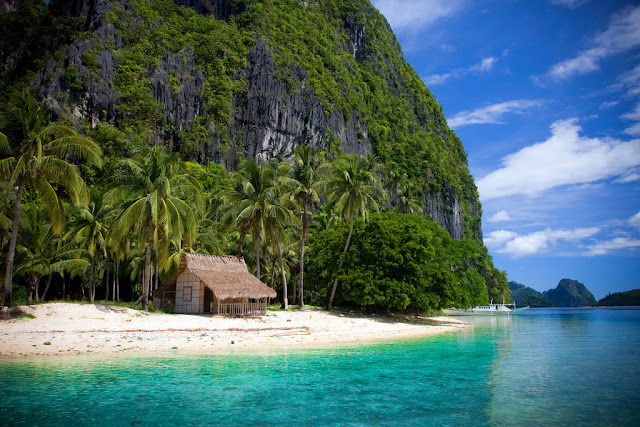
(269, 119)
(569, 293)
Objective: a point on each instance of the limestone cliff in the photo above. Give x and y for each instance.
(235, 79)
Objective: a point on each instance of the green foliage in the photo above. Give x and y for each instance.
(398, 262)
(628, 298)
(535, 301)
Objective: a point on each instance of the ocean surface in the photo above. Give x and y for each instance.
(542, 367)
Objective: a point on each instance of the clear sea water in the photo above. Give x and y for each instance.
(542, 367)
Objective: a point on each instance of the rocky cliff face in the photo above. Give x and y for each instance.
(569, 293)
(268, 119)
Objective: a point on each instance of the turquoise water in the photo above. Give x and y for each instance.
(544, 367)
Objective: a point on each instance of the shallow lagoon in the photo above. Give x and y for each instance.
(545, 366)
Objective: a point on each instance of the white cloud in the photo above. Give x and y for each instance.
(565, 158)
(501, 216)
(629, 82)
(483, 66)
(416, 15)
(571, 4)
(607, 105)
(622, 35)
(493, 113)
(633, 115)
(498, 238)
(633, 130)
(539, 241)
(618, 243)
(438, 79)
(635, 220)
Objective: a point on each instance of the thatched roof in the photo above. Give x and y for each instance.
(226, 276)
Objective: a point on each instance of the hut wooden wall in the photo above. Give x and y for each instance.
(185, 281)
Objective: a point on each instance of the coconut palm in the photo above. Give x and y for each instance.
(352, 190)
(303, 178)
(34, 149)
(89, 231)
(40, 253)
(278, 214)
(159, 205)
(255, 189)
(408, 201)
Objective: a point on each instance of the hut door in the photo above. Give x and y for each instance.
(208, 297)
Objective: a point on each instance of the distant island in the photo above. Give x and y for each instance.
(628, 298)
(568, 293)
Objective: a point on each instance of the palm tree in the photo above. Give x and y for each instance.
(304, 177)
(39, 252)
(409, 201)
(89, 231)
(277, 215)
(352, 190)
(158, 204)
(255, 188)
(34, 149)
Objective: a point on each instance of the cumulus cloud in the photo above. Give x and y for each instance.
(518, 246)
(571, 4)
(616, 244)
(416, 15)
(566, 158)
(622, 35)
(493, 113)
(495, 239)
(483, 66)
(501, 216)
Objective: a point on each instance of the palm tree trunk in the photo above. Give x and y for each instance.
(304, 237)
(273, 272)
(344, 253)
(117, 295)
(115, 279)
(146, 281)
(106, 283)
(91, 294)
(46, 288)
(285, 297)
(8, 278)
(33, 280)
(258, 255)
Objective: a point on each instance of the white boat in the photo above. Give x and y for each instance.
(485, 310)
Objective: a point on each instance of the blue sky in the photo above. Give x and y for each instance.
(545, 95)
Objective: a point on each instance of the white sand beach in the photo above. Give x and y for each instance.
(64, 328)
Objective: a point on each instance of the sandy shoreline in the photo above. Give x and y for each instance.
(63, 329)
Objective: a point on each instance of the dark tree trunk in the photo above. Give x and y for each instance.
(258, 241)
(106, 283)
(91, 267)
(46, 288)
(344, 253)
(304, 238)
(285, 297)
(32, 283)
(8, 278)
(146, 281)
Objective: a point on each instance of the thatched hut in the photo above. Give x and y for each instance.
(214, 284)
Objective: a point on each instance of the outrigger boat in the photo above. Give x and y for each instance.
(485, 310)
